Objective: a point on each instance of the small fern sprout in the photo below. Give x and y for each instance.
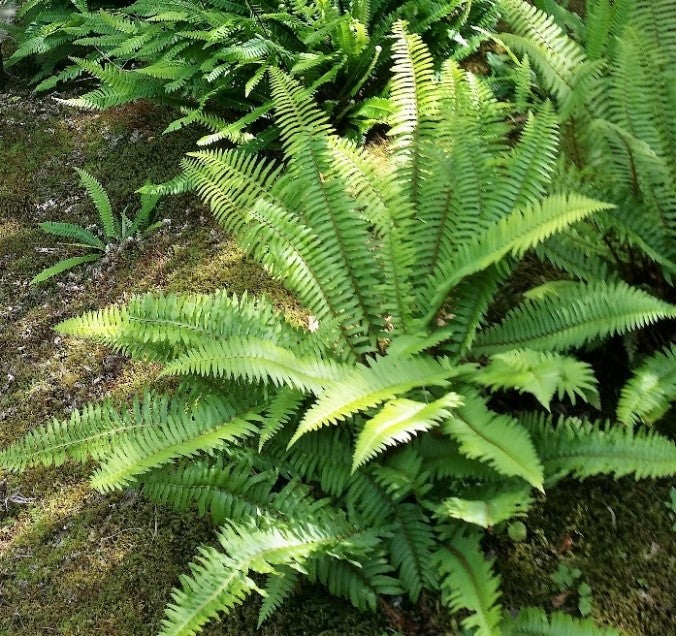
(366, 454)
(113, 230)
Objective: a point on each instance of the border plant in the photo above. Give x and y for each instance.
(366, 453)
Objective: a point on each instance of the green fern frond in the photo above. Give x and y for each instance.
(415, 106)
(533, 621)
(490, 508)
(651, 391)
(102, 202)
(521, 230)
(63, 266)
(361, 583)
(575, 314)
(398, 421)
(74, 232)
(367, 386)
(544, 374)
(529, 167)
(160, 327)
(255, 360)
(584, 449)
(281, 408)
(498, 440)
(411, 549)
(280, 586)
(469, 584)
(221, 580)
(206, 427)
(90, 432)
(223, 491)
(442, 457)
(559, 60)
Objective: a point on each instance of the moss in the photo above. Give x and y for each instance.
(618, 534)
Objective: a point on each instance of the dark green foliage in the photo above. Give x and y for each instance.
(611, 76)
(211, 57)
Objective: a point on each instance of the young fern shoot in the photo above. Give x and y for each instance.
(113, 230)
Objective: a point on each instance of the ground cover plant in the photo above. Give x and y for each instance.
(386, 358)
(211, 57)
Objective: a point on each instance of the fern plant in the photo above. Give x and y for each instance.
(611, 76)
(211, 57)
(114, 230)
(362, 453)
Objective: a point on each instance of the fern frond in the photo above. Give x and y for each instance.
(544, 374)
(415, 106)
(221, 580)
(281, 408)
(559, 60)
(62, 266)
(651, 391)
(492, 507)
(160, 327)
(583, 449)
(516, 233)
(576, 314)
(327, 207)
(102, 202)
(533, 621)
(90, 432)
(367, 386)
(496, 439)
(223, 491)
(255, 360)
(207, 427)
(361, 583)
(279, 587)
(469, 584)
(75, 232)
(411, 549)
(398, 421)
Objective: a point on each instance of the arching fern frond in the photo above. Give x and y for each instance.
(221, 580)
(516, 233)
(367, 386)
(571, 446)
(256, 360)
(544, 374)
(398, 421)
(161, 326)
(498, 440)
(205, 428)
(575, 314)
(223, 491)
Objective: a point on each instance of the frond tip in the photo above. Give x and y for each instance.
(398, 421)
(651, 390)
(470, 584)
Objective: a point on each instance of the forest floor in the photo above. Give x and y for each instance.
(73, 561)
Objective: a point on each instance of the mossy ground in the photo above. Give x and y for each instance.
(76, 562)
